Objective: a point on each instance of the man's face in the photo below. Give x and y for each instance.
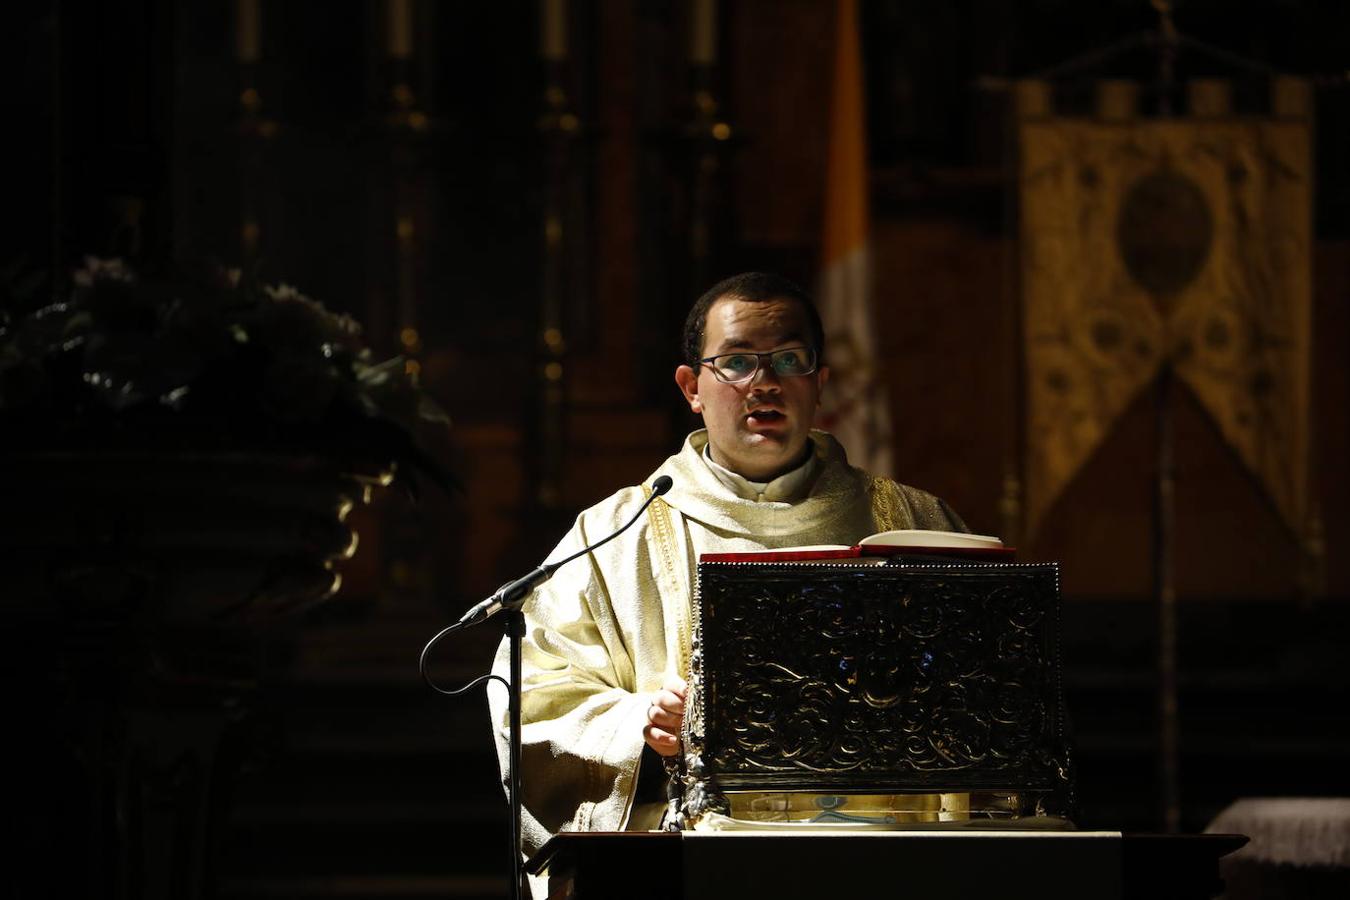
(758, 428)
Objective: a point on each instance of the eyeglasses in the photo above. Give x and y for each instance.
(734, 368)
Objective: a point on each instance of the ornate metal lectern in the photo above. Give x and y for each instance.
(875, 694)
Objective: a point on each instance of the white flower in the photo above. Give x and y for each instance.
(285, 291)
(96, 269)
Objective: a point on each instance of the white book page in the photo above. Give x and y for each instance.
(914, 537)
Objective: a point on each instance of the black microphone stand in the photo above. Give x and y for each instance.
(509, 599)
(515, 633)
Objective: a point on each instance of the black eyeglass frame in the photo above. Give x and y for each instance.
(759, 363)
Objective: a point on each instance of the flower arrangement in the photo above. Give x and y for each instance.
(201, 358)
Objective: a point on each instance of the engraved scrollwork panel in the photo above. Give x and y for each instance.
(906, 677)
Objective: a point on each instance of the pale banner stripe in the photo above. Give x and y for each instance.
(855, 407)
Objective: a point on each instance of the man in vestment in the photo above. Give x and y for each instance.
(607, 640)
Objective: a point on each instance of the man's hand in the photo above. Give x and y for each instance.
(665, 716)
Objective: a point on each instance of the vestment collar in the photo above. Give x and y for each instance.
(700, 494)
(787, 487)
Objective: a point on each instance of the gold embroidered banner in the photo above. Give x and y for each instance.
(1179, 240)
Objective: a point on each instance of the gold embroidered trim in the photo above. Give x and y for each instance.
(674, 606)
(887, 505)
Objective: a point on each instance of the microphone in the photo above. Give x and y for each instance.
(512, 594)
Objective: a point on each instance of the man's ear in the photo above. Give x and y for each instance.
(687, 379)
(822, 376)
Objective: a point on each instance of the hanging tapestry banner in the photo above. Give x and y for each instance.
(1182, 240)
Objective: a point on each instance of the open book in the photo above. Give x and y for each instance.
(907, 542)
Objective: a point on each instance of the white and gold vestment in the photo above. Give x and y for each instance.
(602, 636)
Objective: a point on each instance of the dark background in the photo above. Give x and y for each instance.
(127, 135)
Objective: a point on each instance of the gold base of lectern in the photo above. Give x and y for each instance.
(866, 809)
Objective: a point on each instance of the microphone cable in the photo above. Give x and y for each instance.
(513, 594)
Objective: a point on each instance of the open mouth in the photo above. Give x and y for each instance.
(766, 415)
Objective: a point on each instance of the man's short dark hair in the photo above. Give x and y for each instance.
(754, 287)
